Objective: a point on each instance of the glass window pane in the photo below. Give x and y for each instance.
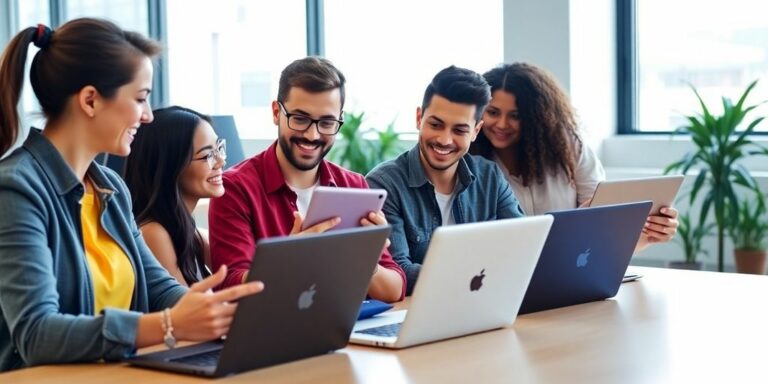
(225, 57)
(390, 50)
(31, 13)
(719, 49)
(130, 15)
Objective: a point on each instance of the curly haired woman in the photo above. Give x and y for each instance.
(530, 130)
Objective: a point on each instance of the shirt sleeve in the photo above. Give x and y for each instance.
(398, 248)
(589, 172)
(386, 260)
(29, 299)
(230, 233)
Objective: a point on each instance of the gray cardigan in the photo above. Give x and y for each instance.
(46, 296)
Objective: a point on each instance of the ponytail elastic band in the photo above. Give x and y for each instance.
(43, 36)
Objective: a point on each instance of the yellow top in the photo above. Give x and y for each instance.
(111, 272)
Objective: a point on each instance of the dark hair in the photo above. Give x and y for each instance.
(312, 74)
(160, 152)
(459, 85)
(549, 137)
(82, 52)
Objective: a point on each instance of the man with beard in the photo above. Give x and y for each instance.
(436, 182)
(268, 194)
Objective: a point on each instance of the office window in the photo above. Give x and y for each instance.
(130, 15)
(719, 49)
(31, 13)
(225, 58)
(390, 50)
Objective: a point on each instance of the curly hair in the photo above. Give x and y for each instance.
(549, 136)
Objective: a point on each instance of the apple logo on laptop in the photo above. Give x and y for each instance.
(307, 298)
(583, 258)
(477, 281)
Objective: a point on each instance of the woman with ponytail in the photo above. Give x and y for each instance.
(78, 281)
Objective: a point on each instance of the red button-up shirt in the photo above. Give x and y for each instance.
(258, 204)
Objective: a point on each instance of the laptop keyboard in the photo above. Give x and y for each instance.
(206, 359)
(384, 330)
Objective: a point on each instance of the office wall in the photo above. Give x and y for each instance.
(575, 41)
(537, 32)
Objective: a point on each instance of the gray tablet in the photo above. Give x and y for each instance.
(659, 189)
(349, 204)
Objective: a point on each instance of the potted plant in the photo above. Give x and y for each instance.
(719, 148)
(361, 150)
(748, 232)
(690, 237)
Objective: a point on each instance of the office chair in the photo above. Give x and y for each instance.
(224, 126)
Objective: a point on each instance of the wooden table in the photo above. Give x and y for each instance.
(670, 326)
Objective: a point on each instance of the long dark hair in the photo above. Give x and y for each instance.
(549, 137)
(82, 52)
(160, 152)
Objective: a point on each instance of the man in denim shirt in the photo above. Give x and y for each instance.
(436, 182)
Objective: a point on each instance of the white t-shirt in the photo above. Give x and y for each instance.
(303, 196)
(557, 192)
(445, 202)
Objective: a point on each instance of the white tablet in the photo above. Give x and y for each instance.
(349, 204)
(659, 189)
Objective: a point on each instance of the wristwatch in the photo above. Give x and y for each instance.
(168, 338)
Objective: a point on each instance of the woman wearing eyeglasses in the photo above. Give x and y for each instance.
(175, 161)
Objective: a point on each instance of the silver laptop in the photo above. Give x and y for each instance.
(473, 279)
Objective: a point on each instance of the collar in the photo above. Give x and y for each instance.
(273, 175)
(58, 171)
(418, 177)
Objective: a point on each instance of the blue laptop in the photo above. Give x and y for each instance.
(585, 256)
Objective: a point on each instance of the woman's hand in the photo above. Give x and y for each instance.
(202, 315)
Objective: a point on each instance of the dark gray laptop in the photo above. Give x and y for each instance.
(585, 256)
(313, 286)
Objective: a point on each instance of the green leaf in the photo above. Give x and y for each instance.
(698, 183)
(743, 97)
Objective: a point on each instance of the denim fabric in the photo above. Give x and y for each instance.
(46, 294)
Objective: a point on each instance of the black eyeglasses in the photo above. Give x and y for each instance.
(300, 123)
(214, 155)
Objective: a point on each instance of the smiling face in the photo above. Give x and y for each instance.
(199, 180)
(304, 150)
(446, 129)
(502, 120)
(119, 117)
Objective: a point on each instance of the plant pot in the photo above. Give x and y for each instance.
(750, 261)
(695, 266)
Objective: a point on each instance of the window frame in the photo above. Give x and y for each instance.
(627, 63)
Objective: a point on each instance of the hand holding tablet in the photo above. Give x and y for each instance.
(350, 205)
